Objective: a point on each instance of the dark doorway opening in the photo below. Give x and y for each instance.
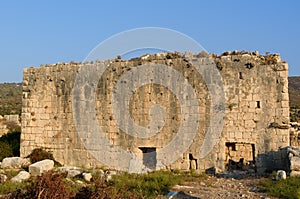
(149, 157)
(193, 162)
(240, 156)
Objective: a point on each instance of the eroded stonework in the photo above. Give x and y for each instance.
(256, 108)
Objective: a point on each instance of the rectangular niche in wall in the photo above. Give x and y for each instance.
(149, 157)
(240, 156)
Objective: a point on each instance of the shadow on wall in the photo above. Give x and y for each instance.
(273, 161)
(262, 164)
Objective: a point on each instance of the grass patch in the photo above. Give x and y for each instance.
(289, 188)
(152, 184)
(132, 186)
(9, 186)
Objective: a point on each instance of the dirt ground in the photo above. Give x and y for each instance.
(219, 188)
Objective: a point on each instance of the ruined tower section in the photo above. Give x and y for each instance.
(255, 106)
(257, 115)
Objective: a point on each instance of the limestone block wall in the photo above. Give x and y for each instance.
(295, 134)
(7, 122)
(256, 108)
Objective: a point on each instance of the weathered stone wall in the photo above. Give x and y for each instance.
(256, 111)
(295, 134)
(7, 122)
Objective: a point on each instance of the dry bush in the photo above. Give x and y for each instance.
(49, 185)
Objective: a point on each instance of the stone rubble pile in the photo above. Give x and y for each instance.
(294, 157)
(19, 165)
(295, 134)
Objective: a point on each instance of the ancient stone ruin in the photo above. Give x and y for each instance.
(78, 119)
(9, 123)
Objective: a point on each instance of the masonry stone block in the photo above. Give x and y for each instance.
(14, 163)
(40, 167)
(22, 176)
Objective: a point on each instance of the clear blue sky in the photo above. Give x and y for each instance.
(40, 32)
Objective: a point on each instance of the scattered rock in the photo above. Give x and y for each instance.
(72, 171)
(281, 175)
(109, 175)
(79, 182)
(179, 195)
(294, 151)
(39, 167)
(101, 172)
(87, 177)
(234, 174)
(112, 173)
(108, 178)
(14, 163)
(295, 174)
(3, 178)
(23, 175)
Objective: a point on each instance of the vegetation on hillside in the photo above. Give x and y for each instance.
(10, 98)
(294, 92)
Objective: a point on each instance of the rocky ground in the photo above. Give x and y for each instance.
(220, 188)
(239, 184)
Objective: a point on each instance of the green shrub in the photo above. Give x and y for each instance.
(152, 184)
(9, 186)
(5, 150)
(40, 154)
(289, 188)
(13, 140)
(131, 186)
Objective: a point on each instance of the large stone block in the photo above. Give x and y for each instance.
(14, 163)
(281, 175)
(40, 167)
(295, 163)
(22, 176)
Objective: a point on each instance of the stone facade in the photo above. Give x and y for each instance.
(256, 112)
(7, 122)
(295, 134)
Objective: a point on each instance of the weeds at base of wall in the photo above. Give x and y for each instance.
(289, 188)
(132, 186)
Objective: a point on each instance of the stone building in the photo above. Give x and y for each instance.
(9, 123)
(81, 119)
